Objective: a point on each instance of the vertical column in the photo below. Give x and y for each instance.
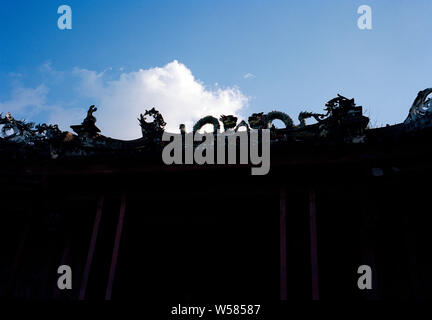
(369, 213)
(411, 253)
(116, 247)
(37, 200)
(91, 248)
(283, 249)
(313, 244)
(18, 256)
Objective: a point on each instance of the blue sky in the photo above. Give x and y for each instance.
(300, 53)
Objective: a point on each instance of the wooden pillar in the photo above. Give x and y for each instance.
(91, 250)
(116, 247)
(17, 261)
(283, 248)
(313, 244)
(369, 213)
(36, 199)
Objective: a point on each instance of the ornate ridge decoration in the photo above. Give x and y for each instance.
(278, 115)
(207, 120)
(229, 122)
(257, 120)
(305, 115)
(152, 131)
(88, 127)
(265, 121)
(421, 107)
(20, 131)
(158, 124)
(342, 121)
(242, 124)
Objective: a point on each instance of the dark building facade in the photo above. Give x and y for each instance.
(130, 226)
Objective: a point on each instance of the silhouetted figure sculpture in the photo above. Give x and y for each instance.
(88, 127)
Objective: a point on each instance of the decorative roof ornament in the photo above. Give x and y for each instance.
(152, 131)
(306, 115)
(265, 121)
(421, 106)
(257, 120)
(87, 128)
(278, 115)
(242, 124)
(342, 122)
(207, 120)
(18, 131)
(229, 122)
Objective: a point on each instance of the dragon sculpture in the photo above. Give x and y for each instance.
(265, 121)
(229, 122)
(278, 115)
(256, 121)
(242, 124)
(342, 121)
(207, 120)
(306, 115)
(421, 106)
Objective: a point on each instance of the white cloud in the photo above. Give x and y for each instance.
(172, 89)
(249, 76)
